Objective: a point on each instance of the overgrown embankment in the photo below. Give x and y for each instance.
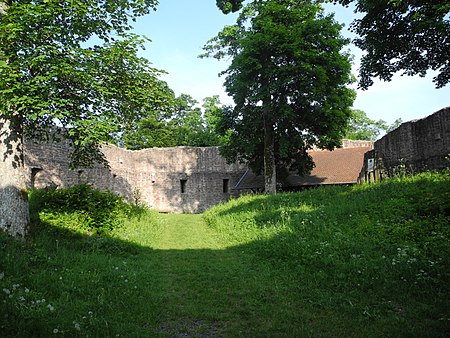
(363, 261)
(376, 252)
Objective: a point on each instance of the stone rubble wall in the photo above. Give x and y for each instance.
(151, 176)
(413, 147)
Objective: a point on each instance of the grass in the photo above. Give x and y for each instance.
(363, 261)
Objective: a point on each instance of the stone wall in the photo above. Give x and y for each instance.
(415, 146)
(182, 179)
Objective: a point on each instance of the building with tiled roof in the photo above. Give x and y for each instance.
(340, 166)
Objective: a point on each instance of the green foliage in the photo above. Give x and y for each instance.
(75, 65)
(288, 79)
(194, 127)
(397, 35)
(82, 206)
(363, 128)
(394, 125)
(184, 123)
(149, 133)
(227, 6)
(402, 35)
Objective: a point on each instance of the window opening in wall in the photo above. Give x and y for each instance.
(226, 185)
(183, 186)
(80, 173)
(34, 172)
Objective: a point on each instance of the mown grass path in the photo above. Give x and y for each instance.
(186, 232)
(203, 288)
(210, 290)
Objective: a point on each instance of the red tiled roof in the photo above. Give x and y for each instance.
(340, 166)
(333, 167)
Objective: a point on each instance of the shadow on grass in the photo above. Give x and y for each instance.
(64, 283)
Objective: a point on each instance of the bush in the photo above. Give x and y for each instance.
(82, 206)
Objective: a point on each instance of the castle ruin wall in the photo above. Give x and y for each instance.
(414, 146)
(182, 179)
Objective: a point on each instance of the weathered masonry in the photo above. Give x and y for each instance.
(190, 180)
(415, 146)
(182, 179)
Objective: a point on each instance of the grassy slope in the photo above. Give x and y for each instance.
(375, 256)
(364, 261)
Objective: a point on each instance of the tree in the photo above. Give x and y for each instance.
(403, 35)
(361, 127)
(397, 35)
(71, 65)
(182, 123)
(194, 127)
(288, 79)
(213, 111)
(186, 121)
(394, 125)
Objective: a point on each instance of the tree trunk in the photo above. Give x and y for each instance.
(14, 214)
(270, 178)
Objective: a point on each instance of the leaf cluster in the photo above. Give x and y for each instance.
(402, 35)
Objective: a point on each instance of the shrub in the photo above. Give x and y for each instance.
(82, 206)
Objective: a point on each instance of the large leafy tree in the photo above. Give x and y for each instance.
(73, 65)
(409, 36)
(288, 78)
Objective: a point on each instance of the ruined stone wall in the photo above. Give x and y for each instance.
(415, 146)
(182, 179)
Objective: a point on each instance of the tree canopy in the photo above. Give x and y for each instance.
(361, 127)
(74, 65)
(70, 68)
(409, 36)
(183, 123)
(288, 79)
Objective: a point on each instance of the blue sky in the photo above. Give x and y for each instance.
(180, 28)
